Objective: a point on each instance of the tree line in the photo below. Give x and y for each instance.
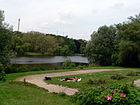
(47, 44)
(117, 44)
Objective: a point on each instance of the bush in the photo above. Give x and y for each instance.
(96, 82)
(41, 68)
(15, 69)
(22, 69)
(132, 74)
(68, 64)
(11, 69)
(2, 73)
(62, 94)
(81, 67)
(116, 94)
(37, 68)
(117, 77)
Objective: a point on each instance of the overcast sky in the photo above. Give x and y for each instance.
(75, 18)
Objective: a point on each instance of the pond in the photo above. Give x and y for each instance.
(47, 59)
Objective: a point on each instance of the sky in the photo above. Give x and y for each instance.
(75, 18)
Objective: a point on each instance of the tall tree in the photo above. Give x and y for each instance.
(101, 46)
(40, 42)
(1, 18)
(5, 43)
(129, 42)
(5, 40)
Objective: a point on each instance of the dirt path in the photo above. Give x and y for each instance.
(137, 83)
(38, 80)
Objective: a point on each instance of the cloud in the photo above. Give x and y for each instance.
(75, 18)
(59, 21)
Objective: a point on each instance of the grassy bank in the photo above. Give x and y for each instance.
(13, 94)
(95, 79)
(20, 94)
(33, 53)
(13, 76)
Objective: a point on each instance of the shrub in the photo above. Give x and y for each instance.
(68, 64)
(41, 68)
(62, 94)
(37, 68)
(117, 77)
(17, 69)
(11, 69)
(2, 73)
(96, 82)
(132, 74)
(114, 95)
(22, 69)
(81, 67)
(138, 72)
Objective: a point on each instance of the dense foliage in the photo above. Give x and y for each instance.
(116, 45)
(6, 35)
(22, 68)
(116, 94)
(101, 46)
(68, 64)
(129, 42)
(47, 44)
(2, 73)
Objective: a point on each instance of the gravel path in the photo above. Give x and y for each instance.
(38, 80)
(137, 83)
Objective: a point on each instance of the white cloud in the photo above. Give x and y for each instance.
(59, 21)
(76, 18)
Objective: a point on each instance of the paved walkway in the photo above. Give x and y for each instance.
(39, 80)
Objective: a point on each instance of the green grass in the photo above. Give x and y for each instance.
(21, 94)
(83, 84)
(110, 67)
(18, 94)
(33, 53)
(13, 76)
(12, 94)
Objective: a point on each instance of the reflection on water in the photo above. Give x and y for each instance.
(47, 59)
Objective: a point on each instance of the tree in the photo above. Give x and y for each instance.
(80, 46)
(20, 45)
(1, 18)
(5, 45)
(116, 45)
(40, 42)
(71, 45)
(101, 46)
(128, 53)
(128, 47)
(47, 44)
(62, 51)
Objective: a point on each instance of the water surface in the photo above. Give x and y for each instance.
(47, 59)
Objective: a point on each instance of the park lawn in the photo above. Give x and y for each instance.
(13, 76)
(19, 94)
(14, 94)
(83, 84)
(34, 53)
